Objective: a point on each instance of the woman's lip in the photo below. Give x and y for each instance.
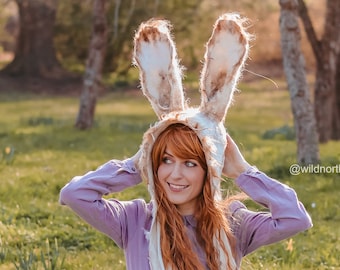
(177, 188)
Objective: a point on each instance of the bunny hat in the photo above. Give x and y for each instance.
(161, 82)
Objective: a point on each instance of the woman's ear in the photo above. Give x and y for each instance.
(160, 74)
(224, 58)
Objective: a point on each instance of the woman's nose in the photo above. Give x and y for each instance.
(176, 172)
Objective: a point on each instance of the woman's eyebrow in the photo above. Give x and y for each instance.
(167, 153)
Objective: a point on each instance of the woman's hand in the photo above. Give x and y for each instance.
(136, 158)
(234, 162)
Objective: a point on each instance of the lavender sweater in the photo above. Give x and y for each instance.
(126, 221)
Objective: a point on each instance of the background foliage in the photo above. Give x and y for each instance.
(192, 21)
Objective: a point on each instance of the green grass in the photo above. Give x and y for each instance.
(41, 151)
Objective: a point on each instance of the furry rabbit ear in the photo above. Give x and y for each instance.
(160, 74)
(225, 55)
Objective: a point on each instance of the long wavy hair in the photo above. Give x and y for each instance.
(210, 215)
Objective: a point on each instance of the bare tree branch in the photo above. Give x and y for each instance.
(116, 20)
(308, 25)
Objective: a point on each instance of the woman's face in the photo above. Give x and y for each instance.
(182, 180)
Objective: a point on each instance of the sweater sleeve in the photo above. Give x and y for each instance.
(286, 217)
(83, 194)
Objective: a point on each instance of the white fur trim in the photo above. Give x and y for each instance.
(223, 257)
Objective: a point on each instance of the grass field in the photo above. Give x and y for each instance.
(41, 152)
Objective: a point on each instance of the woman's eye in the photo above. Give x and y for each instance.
(166, 160)
(190, 164)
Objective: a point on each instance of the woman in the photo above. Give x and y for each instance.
(187, 215)
(187, 224)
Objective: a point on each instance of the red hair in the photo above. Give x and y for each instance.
(210, 215)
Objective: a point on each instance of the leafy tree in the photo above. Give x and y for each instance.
(124, 16)
(35, 52)
(73, 31)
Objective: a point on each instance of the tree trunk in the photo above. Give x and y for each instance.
(326, 52)
(293, 62)
(94, 66)
(336, 118)
(324, 100)
(35, 53)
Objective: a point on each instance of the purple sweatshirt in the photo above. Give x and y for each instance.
(127, 221)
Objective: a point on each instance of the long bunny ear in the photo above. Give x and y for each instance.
(225, 55)
(160, 74)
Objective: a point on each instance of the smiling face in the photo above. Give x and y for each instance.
(182, 181)
(179, 168)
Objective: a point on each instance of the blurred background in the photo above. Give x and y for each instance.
(70, 24)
